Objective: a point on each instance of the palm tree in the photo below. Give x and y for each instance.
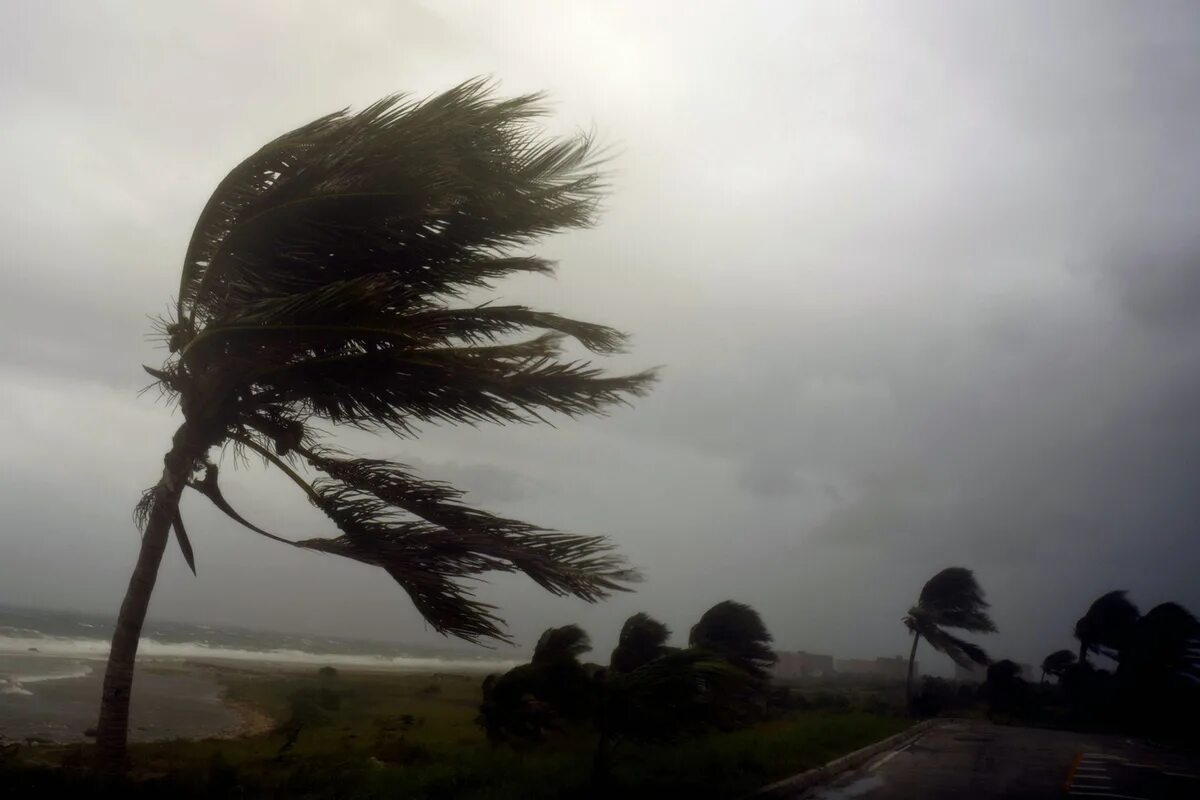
(1107, 625)
(1164, 646)
(950, 599)
(327, 281)
(561, 645)
(735, 632)
(1057, 663)
(642, 640)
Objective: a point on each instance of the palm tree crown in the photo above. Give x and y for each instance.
(324, 282)
(737, 633)
(1107, 625)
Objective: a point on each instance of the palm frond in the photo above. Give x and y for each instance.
(558, 645)
(429, 542)
(956, 600)
(408, 186)
(185, 544)
(962, 652)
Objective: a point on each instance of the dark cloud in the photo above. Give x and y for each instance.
(925, 282)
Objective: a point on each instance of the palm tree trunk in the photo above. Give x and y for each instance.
(113, 727)
(1083, 652)
(912, 662)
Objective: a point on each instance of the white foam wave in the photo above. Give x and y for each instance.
(82, 672)
(97, 649)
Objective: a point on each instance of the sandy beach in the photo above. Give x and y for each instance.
(170, 700)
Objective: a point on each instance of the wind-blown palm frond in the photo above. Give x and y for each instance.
(561, 645)
(735, 632)
(963, 653)
(428, 541)
(1108, 625)
(955, 600)
(642, 640)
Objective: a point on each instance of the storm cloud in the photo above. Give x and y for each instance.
(924, 279)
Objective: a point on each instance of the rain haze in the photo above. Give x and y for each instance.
(923, 279)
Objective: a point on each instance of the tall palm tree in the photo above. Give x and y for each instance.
(1107, 626)
(327, 281)
(736, 632)
(950, 599)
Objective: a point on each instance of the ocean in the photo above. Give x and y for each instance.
(40, 645)
(52, 665)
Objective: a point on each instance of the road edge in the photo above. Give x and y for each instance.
(829, 770)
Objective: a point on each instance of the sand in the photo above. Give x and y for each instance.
(170, 701)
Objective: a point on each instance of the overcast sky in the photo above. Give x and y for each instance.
(924, 278)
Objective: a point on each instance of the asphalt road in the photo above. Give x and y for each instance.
(980, 761)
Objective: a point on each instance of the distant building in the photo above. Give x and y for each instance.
(803, 665)
(895, 668)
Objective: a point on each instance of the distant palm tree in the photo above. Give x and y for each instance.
(1107, 626)
(1164, 647)
(327, 281)
(1057, 663)
(642, 640)
(560, 645)
(950, 599)
(735, 632)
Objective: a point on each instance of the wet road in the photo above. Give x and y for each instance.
(981, 761)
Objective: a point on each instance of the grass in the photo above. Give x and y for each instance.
(414, 736)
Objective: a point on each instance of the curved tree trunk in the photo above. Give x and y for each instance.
(113, 727)
(912, 662)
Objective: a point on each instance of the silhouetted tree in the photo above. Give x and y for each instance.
(735, 632)
(531, 698)
(1004, 687)
(950, 599)
(324, 284)
(677, 694)
(561, 645)
(1057, 663)
(1164, 644)
(642, 640)
(1107, 625)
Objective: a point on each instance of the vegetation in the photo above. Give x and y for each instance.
(1107, 626)
(642, 640)
(415, 736)
(655, 694)
(1154, 690)
(327, 282)
(950, 599)
(1057, 663)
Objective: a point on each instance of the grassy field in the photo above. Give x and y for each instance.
(414, 736)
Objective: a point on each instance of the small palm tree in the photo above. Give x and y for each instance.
(1107, 625)
(642, 640)
(950, 599)
(735, 632)
(1057, 664)
(326, 282)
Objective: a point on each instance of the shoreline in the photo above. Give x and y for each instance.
(174, 698)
